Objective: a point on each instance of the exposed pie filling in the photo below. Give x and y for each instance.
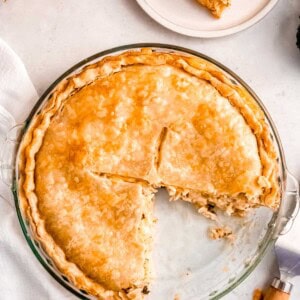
(110, 135)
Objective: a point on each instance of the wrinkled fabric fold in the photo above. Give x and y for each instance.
(21, 276)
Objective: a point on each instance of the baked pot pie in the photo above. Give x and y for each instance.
(92, 159)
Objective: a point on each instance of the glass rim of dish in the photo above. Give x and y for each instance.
(269, 237)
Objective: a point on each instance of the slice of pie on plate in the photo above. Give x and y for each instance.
(216, 7)
(108, 136)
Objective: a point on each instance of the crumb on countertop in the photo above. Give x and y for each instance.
(176, 297)
(225, 269)
(216, 233)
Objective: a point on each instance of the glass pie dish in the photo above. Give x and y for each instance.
(186, 262)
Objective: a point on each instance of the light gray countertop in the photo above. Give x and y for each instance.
(51, 36)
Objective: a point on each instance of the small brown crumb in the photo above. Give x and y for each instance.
(145, 290)
(211, 207)
(258, 294)
(217, 233)
(143, 216)
(126, 291)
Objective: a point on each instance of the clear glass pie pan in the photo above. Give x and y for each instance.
(186, 262)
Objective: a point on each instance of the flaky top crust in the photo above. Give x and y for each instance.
(153, 172)
(216, 7)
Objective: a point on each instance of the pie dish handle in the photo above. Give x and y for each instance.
(9, 137)
(290, 205)
(280, 289)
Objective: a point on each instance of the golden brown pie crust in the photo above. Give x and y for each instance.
(216, 7)
(104, 171)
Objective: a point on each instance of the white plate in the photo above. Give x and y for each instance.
(189, 18)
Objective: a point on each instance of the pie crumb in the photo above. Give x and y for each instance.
(225, 269)
(258, 294)
(217, 233)
(207, 214)
(176, 297)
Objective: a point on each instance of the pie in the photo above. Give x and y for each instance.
(92, 158)
(216, 7)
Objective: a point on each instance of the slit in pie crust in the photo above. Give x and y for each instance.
(91, 160)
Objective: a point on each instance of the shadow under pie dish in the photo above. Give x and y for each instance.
(110, 135)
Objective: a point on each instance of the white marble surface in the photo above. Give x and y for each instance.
(51, 36)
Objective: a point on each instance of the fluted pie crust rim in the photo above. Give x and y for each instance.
(237, 96)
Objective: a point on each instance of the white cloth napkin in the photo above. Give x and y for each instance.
(21, 275)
